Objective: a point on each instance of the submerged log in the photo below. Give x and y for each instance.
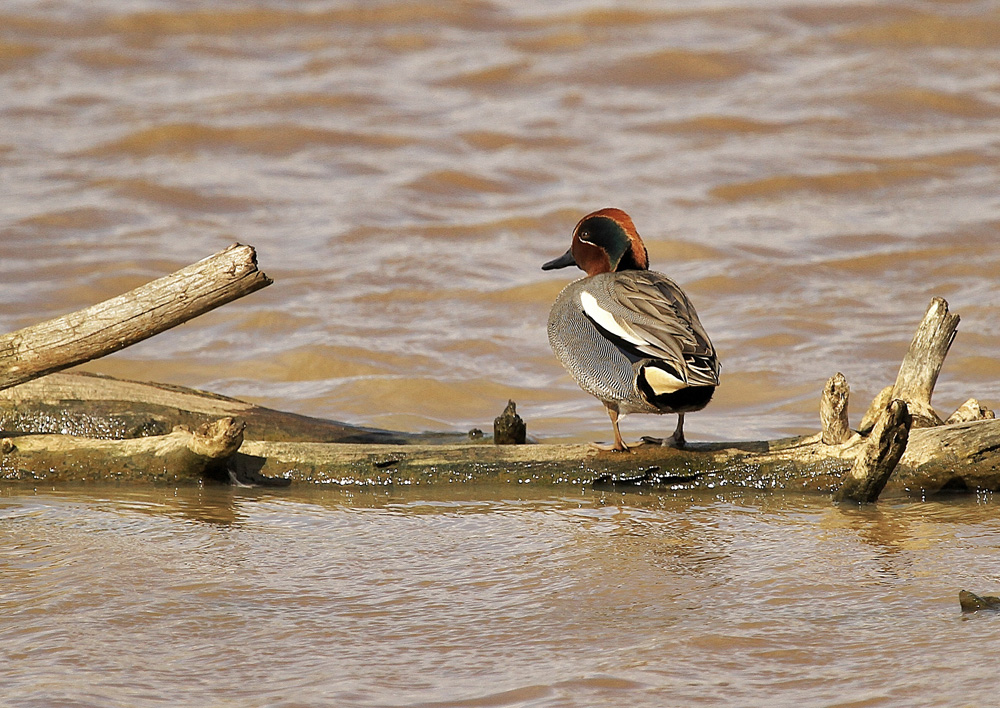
(971, 602)
(124, 320)
(181, 455)
(89, 405)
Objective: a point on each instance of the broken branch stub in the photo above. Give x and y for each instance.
(879, 456)
(920, 368)
(117, 323)
(969, 411)
(876, 407)
(833, 411)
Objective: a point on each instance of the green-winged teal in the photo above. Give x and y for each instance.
(629, 335)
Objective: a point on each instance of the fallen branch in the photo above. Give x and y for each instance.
(124, 320)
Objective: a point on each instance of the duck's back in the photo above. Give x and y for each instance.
(603, 328)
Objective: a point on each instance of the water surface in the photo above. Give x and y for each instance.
(490, 597)
(811, 172)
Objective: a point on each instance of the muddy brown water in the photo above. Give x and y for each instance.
(812, 173)
(491, 597)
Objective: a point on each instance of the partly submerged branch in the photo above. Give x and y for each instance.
(182, 455)
(88, 405)
(878, 457)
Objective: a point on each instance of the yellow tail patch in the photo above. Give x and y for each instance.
(662, 382)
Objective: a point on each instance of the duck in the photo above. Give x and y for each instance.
(628, 335)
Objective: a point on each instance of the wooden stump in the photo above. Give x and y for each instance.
(879, 456)
(923, 361)
(833, 411)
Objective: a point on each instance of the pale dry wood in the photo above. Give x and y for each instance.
(969, 411)
(129, 318)
(833, 411)
(876, 407)
(950, 457)
(920, 368)
(962, 456)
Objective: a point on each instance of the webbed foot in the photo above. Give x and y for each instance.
(610, 448)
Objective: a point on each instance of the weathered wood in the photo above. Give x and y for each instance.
(920, 368)
(878, 404)
(177, 456)
(95, 406)
(951, 457)
(124, 320)
(964, 456)
(878, 456)
(833, 411)
(969, 411)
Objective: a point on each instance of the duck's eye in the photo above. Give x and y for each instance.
(584, 235)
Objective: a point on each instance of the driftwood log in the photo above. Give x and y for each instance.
(124, 320)
(960, 455)
(854, 465)
(956, 457)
